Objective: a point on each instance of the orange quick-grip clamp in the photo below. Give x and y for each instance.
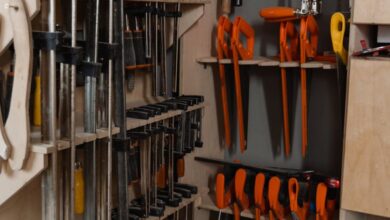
(288, 43)
(241, 200)
(223, 51)
(308, 46)
(324, 208)
(223, 198)
(276, 209)
(259, 199)
(298, 211)
(240, 26)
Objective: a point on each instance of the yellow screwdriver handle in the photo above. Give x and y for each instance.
(337, 31)
(79, 191)
(37, 118)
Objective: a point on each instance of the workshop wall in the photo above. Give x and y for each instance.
(264, 105)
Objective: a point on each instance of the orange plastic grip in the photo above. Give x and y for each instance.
(293, 192)
(321, 213)
(240, 26)
(277, 13)
(180, 167)
(259, 195)
(277, 210)
(224, 27)
(220, 191)
(161, 176)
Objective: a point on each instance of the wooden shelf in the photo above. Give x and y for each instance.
(174, 1)
(270, 61)
(135, 123)
(259, 61)
(81, 137)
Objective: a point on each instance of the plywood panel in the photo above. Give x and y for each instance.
(366, 171)
(371, 12)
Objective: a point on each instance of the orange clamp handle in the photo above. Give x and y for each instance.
(277, 211)
(222, 198)
(241, 198)
(293, 192)
(259, 195)
(240, 26)
(180, 167)
(309, 38)
(321, 213)
(277, 13)
(224, 28)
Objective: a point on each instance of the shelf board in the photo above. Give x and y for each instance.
(270, 61)
(135, 123)
(174, 1)
(81, 137)
(260, 61)
(319, 65)
(290, 64)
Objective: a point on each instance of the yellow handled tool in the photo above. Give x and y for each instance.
(79, 190)
(337, 32)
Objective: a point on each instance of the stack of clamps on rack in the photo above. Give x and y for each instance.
(279, 193)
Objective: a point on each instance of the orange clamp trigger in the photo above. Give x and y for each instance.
(276, 209)
(221, 200)
(289, 41)
(277, 13)
(293, 190)
(259, 195)
(224, 26)
(241, 26)
(309, 37)
(239, 184)
(321, 194)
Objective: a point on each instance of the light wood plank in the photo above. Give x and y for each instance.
(371, 12)
(366, 170)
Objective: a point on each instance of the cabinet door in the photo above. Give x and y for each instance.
(366, 165)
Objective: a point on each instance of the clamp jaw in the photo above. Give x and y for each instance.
(309, 7)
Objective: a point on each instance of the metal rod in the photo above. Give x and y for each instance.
(163, 53)
(73, 109)
(120, 108)
(90, 110)
(110, 97)
(49, 183)
(176, 51)
(148, 26)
